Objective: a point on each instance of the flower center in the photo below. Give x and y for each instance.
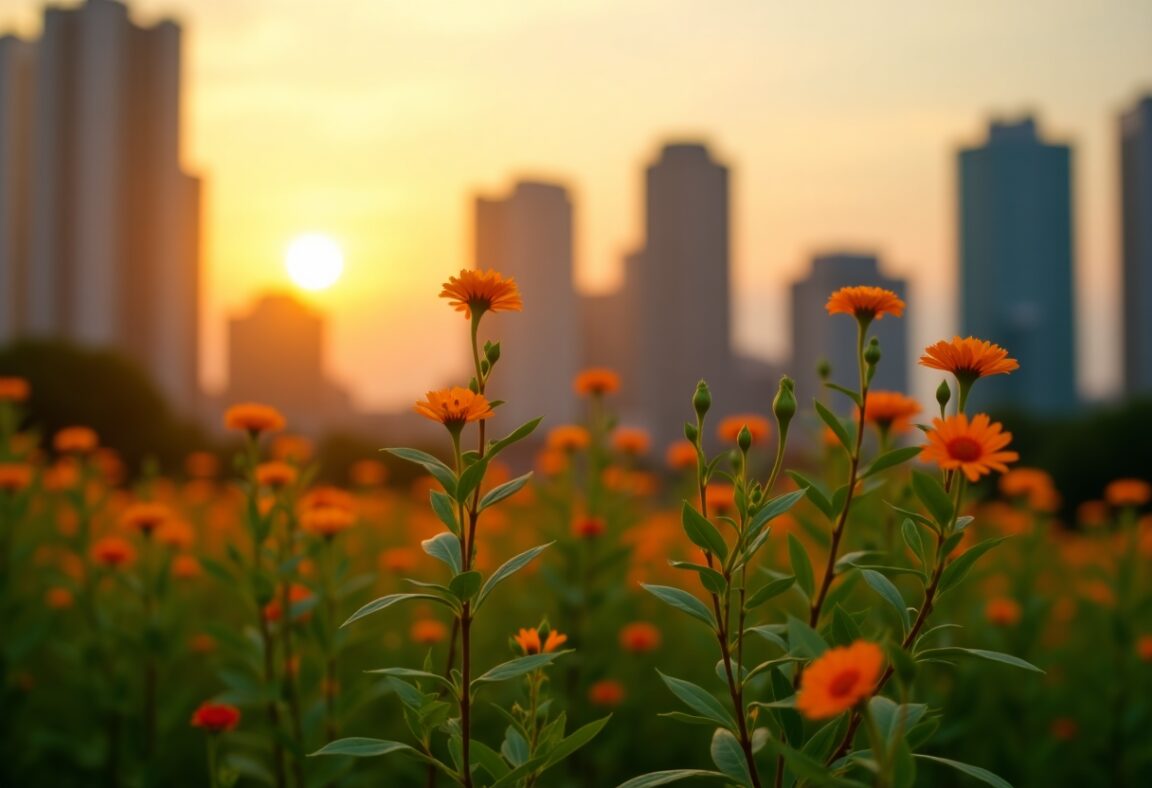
(843, 683)
(964, 449)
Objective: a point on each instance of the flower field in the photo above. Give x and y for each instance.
(850, 588)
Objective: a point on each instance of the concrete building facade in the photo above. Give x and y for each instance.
(1136, 243)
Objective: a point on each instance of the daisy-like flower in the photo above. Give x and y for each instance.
(477, 292)
(968, 358)
(253, 418)
(327, 521)
(596, 381)
(1128, 492)
(529, 641)
(568, 438)
(145, 516)
(13, 389)
(631, 440)
(216, 717)
(865, 303)
(454, 407)
(275, 474)
(890, 410)
(839, 679)
(973, 447)
(75, 440)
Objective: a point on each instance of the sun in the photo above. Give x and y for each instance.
(314, 261)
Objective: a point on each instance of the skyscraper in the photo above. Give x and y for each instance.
(1015, 232)
(817, 336)
(1136, 217)
(101, 224)
(527, 234)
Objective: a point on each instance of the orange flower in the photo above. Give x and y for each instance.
(296, 593)
(368, 473)
(639, 637)
(145, 516)
(680, 455)
(596, 381)
(14, 476)
(275, 474)
(973, 447)
(13, 389)
(327, 495)
(568, 437)
(606, 692)
(1128, 492)
(721, 497)
(428, 631)
(58, 598)
(398, 560)
(529, 641)
(1144, 647)
(185, 567)
(1031, 483)
(216, 717)
(839, 679)
(113, 552)
(631, 440)
(253, 418)
(588, 527)
(292, 448)
(201, 465)
(729, 429)
(1003, 612)
(327, 521)
(75, 440)
(865, 303)
(1092, 514)
(968, 358)
(551, 462)
(890, 410)
(455, 407)
(482, 291)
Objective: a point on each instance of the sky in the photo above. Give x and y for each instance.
(377, 122)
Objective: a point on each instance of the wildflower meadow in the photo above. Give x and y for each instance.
(847, 588)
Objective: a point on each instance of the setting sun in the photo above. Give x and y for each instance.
(314, 261)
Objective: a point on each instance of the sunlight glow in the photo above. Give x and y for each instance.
(314, 261)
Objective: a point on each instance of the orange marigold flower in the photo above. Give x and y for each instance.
(968, 358)
(253, 418)
(75, 440)
(58, 598)
(588, 527)
(1128, 492)
(145, 516)
(327, 521)
(201, 465)
(596, 382)
(975, 447)
(890, 410)
(291, 448)
(1003, 612)
(568, 437)
(1031, 483)
(113, 552)
(729, 428)
(1092, 514)
(13, 389)
(640, 637)
(721, 497)
(296, 593)
(606, 692)
(680, 455)
(185, 567)
(428, 632)
(529, 641)
(275, 474)
(216, 717)
(482, 291)
(865, 302)
(839, 679)
(327, 495)
(551, 462)
(368, 473)
(14, 476)
(1144, 647)
(454, 407)
(398, 560)
(631, 440)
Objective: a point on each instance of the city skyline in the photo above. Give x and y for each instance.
(824, 156)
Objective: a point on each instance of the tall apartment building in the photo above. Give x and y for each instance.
(1136, 242)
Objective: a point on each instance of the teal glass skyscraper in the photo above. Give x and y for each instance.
(1015, 233)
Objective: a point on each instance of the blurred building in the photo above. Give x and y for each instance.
(99, 222)
(1015, 232)
(818, 336)
(527, 234)
(1136, 213)
(276, 356)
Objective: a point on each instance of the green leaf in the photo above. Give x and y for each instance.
(518, 434)
(700, 700)
(410, 673)
(509, 567)
(852, 395)
(701, 532)
(444, 547)
(681, 600)
(470, 479)
(504, 490)
(994, 656)
(729, 756)
(360, 747)
(712, 580)
(803, 640)
(893, 720)
(801, 566)
(772, 509)
(489, 759)
(959, 568)
(445, 509)
(653, 779)
(891, 594)
(442, 472)
(466, 584)
(815, 494)
(517, 667)
(686, 718)
(807, 769)
(890, 459)
(932, 495)
(389, 600)
(768, 591)
(515, 748)
(834, 424)
(915, 541)
(574, 741)
(983, 775)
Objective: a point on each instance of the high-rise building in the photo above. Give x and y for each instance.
(1016, 263)
(818, 336)
(99, 222)
(276, 355)
(677, 287)
(1136, 217)
(527, 234)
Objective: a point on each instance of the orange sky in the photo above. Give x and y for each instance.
(375, 121)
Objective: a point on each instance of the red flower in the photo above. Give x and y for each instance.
(216, 717)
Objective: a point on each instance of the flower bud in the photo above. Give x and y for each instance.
(872, 353)
(943, 394)
(824, 370)
(492, 352)
(690, 432)
(702, 399)
(744, 439)
(784, 405)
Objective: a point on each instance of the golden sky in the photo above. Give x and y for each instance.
(376, 121)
